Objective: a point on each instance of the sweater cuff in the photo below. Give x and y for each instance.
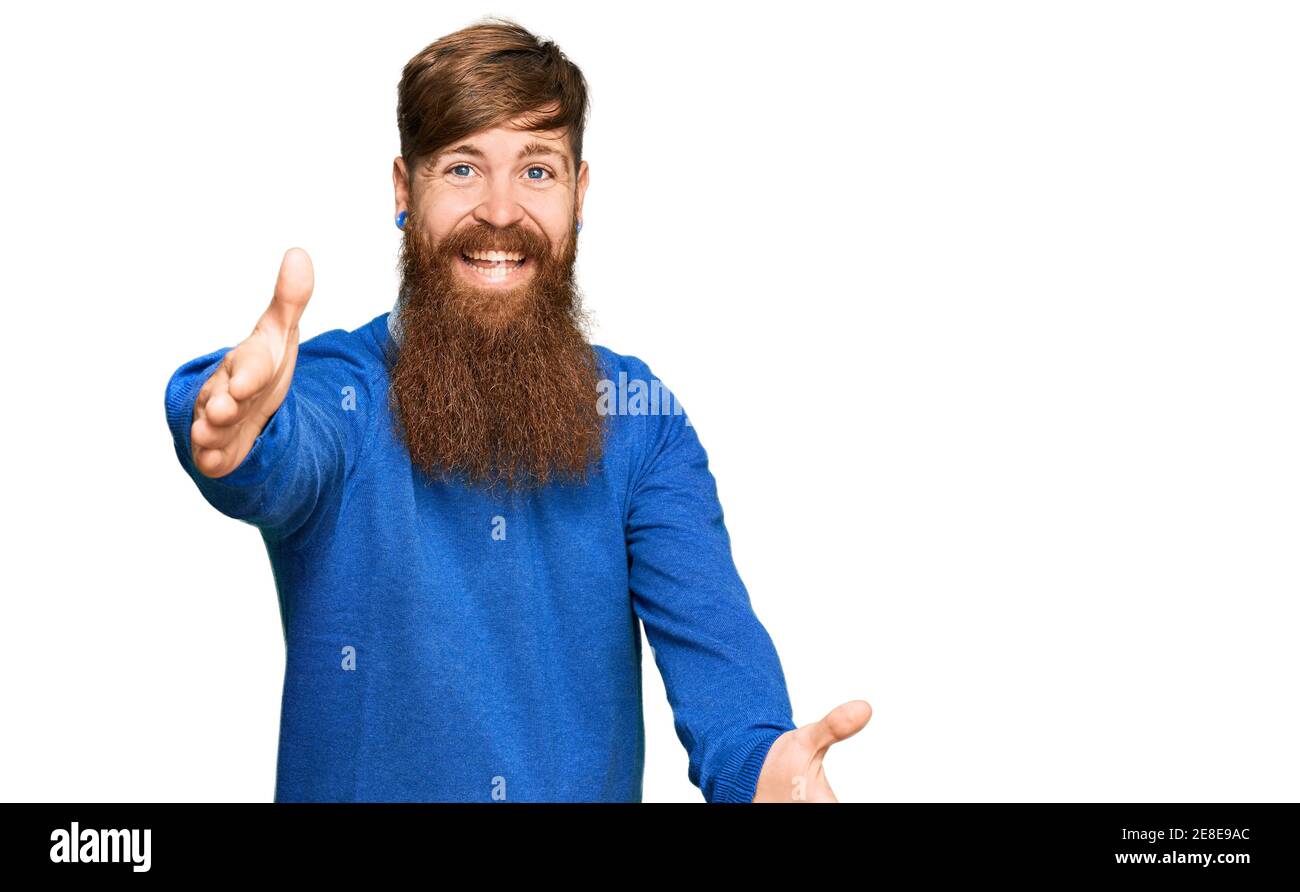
(183, 389)
(737, 780)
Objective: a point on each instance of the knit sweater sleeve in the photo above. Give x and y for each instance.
(720, 669)
(294, 472)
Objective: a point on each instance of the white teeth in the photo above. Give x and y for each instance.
(494, 272)
(508, 264)
(495, 256)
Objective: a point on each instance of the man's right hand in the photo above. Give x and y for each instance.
(239, 398)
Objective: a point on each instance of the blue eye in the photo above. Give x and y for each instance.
(459, 166)
(542, 169)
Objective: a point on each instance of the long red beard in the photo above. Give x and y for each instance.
(496, 388)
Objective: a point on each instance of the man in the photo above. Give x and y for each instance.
(465, 515)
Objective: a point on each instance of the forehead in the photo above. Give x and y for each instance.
(509, 143)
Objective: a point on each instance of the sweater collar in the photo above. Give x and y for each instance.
(395, 320)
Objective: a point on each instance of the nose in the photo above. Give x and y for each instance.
(499, 207)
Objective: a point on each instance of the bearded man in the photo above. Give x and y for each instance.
(463, 534)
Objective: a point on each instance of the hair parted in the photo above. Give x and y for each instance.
(484, 76)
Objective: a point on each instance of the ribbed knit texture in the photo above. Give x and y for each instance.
(447, 644)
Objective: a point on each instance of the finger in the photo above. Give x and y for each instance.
(204, 392)
(206, 435)
(209, 461)
(216, 380)
(222, 408)
(217, 406)
(293, 288)
(840, 723)
(251, 368)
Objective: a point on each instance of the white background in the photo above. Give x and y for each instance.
(985, 313)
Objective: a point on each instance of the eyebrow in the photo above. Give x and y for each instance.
(531, 150)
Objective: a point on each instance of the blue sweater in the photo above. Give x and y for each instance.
(445, 644)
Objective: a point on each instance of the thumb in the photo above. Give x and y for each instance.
(840, 723)
(293, 289)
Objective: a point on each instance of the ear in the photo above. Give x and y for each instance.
(582, 189)
(401, 187)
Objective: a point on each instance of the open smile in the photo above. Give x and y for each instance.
(495, 267)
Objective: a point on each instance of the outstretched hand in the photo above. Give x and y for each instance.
(238, 399)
